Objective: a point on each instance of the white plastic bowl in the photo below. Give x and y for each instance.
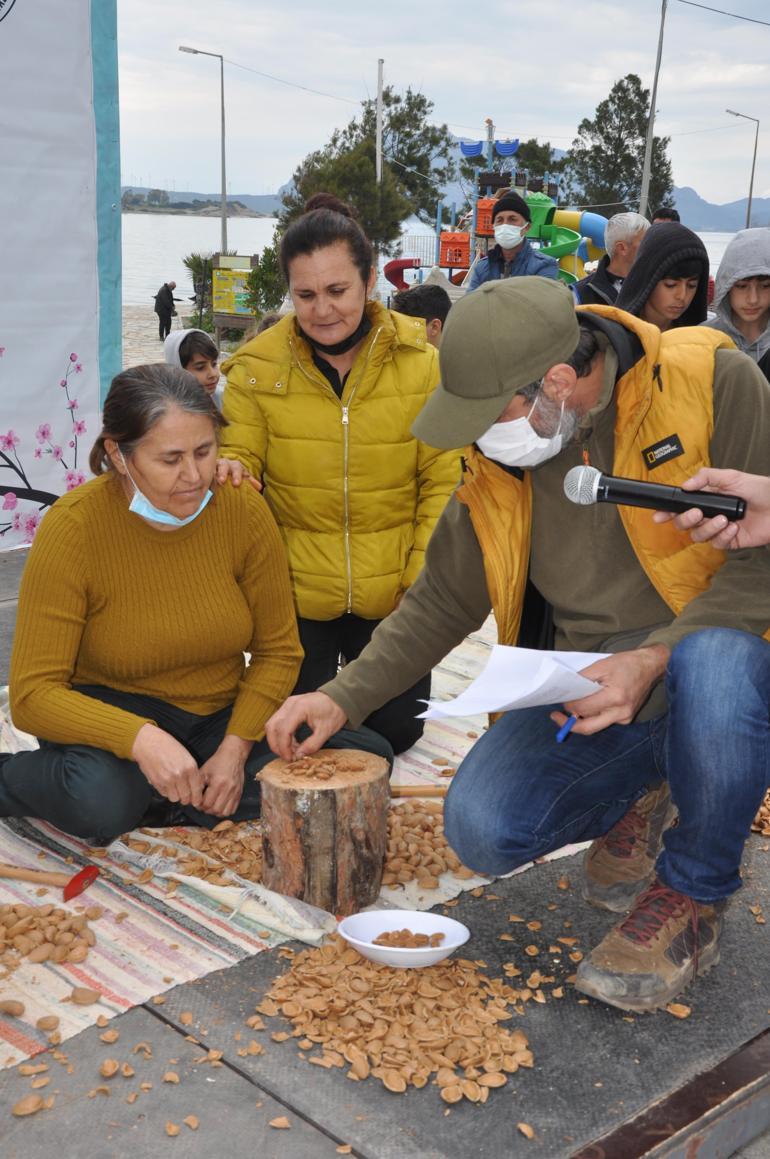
(359, 930)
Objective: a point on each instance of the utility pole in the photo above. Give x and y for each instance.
(646, 167)
(223, 197)
(224, 179)
(378, 139)
(490, 143)
(746, 117)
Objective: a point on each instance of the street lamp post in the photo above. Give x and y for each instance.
(218, 56)
(733, 113)
(647, 162)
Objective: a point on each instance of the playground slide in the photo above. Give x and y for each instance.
(591, 228)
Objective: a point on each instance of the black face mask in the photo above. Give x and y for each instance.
(361, 330)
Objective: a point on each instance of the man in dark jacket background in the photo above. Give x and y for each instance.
(164, 308)
(513, 256)
(622, 238)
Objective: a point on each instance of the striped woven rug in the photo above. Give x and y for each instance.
(150, 939)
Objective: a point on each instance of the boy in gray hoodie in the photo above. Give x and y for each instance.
(742, 295)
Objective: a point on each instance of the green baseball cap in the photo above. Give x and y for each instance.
(498, 338)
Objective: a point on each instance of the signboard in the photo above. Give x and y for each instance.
(60, 332)
(230, 292)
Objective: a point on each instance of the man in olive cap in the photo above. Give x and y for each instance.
(513, 255)
(537, 390)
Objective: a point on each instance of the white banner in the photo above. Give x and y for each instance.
(60, 246)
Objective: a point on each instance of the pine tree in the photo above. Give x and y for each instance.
(603, 167)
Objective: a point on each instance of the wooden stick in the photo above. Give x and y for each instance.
(39, 876)
(418, 791)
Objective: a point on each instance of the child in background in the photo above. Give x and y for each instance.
(742, 295)
(196, 352)
(425, 301)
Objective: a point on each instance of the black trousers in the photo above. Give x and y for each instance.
(330, 643)
(164, 325)
(95, 795)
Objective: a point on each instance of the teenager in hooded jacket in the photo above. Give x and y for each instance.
(742, 295)
(668, 282)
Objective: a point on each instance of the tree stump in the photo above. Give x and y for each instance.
(325, 828)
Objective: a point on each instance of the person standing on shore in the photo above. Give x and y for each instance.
(165, 309)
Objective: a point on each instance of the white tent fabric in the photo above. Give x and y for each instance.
(60, 241)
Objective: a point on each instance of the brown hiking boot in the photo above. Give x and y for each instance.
(647, 959)
(619, 865)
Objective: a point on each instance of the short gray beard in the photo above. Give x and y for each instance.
(547, 418)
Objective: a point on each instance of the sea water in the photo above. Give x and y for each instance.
(155, 244)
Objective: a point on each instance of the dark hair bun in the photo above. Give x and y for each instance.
(329, 201)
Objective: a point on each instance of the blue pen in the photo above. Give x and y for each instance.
(565, 729)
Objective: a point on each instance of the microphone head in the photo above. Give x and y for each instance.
(581, 484)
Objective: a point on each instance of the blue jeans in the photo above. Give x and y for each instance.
(519, 795)
(95, 795)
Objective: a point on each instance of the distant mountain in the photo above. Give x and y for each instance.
(703, 215)
(267, 203)
(696, 213)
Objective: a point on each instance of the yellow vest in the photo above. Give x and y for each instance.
(668, 391)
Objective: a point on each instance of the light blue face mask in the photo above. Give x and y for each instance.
(141, 505)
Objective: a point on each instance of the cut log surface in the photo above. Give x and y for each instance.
(324, 828)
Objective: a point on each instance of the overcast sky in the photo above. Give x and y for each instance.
(535, 69)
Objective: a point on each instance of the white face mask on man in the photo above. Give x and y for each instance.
(509, 236)
(517, 443)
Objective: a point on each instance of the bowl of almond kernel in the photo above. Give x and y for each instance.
(403, 939)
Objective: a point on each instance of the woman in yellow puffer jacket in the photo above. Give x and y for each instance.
(320, 408)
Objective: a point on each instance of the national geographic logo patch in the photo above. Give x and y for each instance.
(5, 8)
(668, 448)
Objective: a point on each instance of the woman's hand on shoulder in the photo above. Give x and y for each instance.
(235, 471)
(168, 766)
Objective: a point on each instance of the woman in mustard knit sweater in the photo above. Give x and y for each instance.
(142, 591)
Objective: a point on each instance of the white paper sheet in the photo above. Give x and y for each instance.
(521, 678)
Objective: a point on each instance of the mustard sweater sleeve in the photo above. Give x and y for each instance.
(53, 600)
(276, 653)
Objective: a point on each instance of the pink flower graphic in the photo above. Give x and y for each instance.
(57, 453)
(9, 442)
(71, 443)
(37, 453)
(73, 357)
(16, 521)
(30, 523)
(63, 382)
(74, 479)
(72, 404)
(79, 427)
(78, 368)
(43, 433)
(2, 351)
(10, 501)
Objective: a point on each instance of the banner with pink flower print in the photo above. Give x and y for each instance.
(60, 275)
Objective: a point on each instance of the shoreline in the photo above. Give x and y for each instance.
(169, 211)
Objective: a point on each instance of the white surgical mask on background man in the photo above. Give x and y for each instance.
(509, 236)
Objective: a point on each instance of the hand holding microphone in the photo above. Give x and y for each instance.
(752, 531)
(585, 485)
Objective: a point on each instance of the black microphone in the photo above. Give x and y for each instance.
(587, 485)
